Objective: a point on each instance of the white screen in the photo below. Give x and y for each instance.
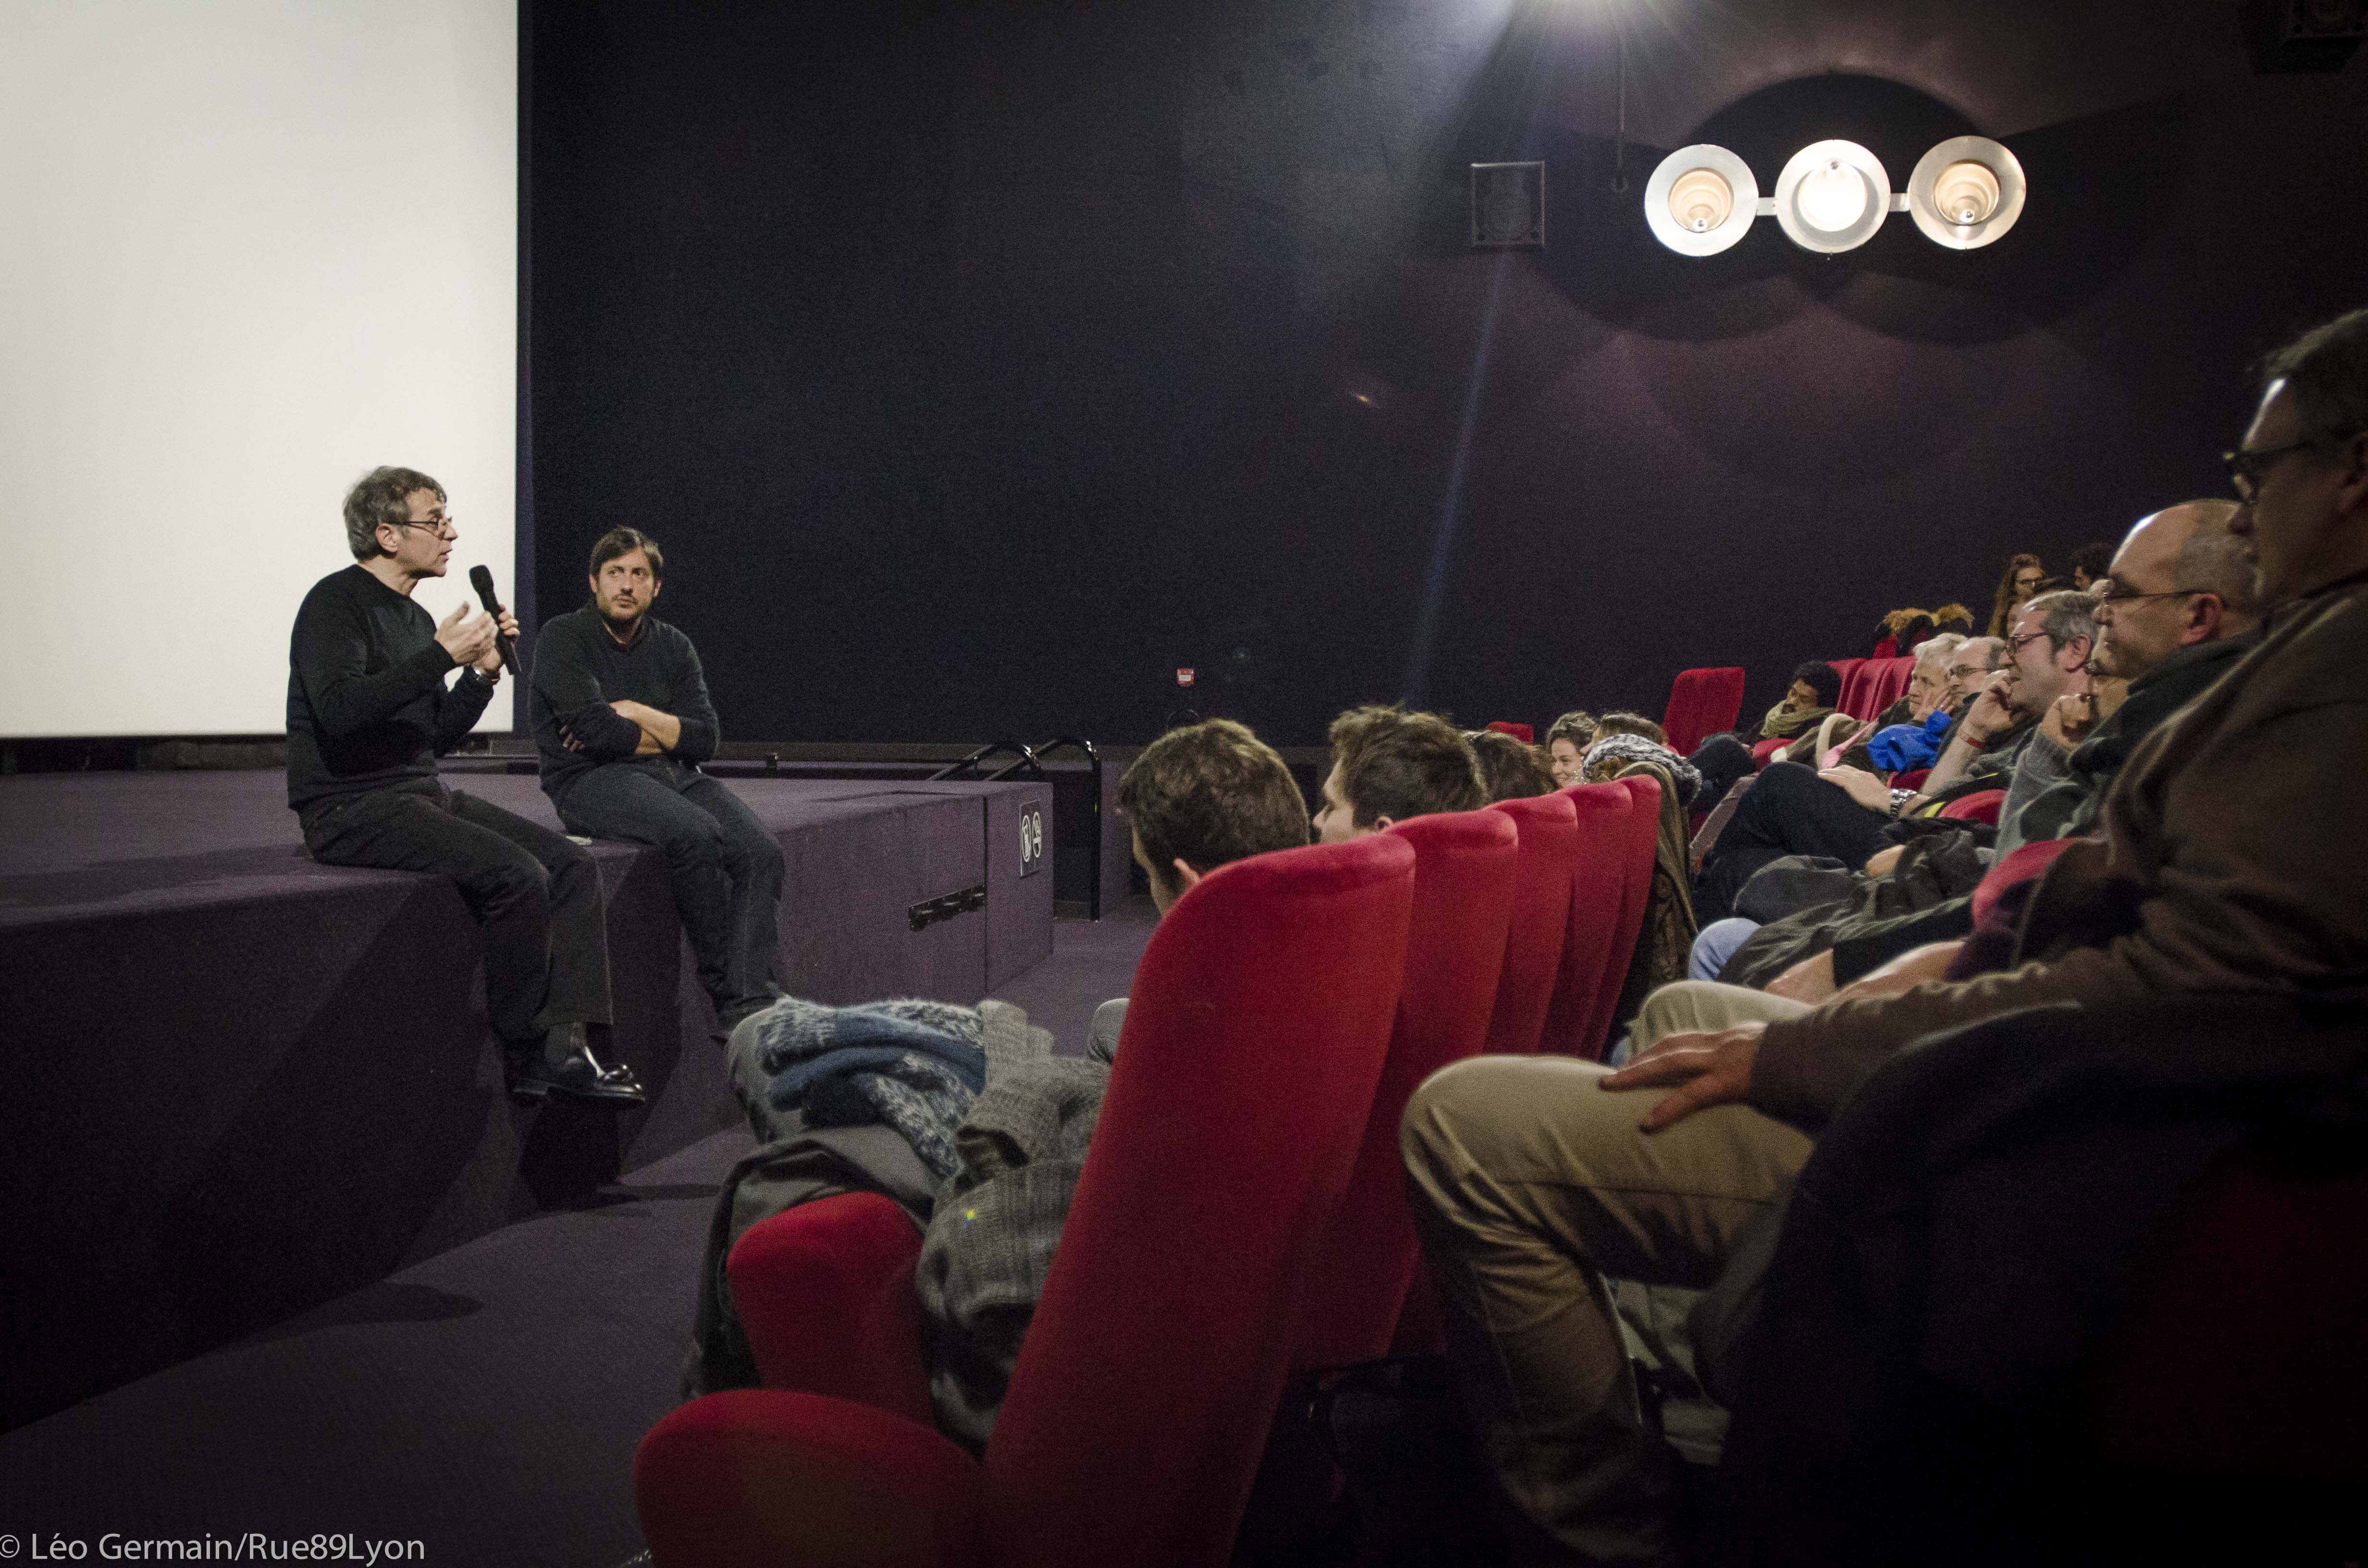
(248, 250)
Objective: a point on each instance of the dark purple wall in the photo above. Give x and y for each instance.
(980, 365)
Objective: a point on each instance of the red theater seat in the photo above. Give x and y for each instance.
(1981, 806)
(1865, 683)
(825, 1293)
(1643, 830)
(1702, 703)
(1261, 1015)
(1464, 863)
(1520, 732)
(1533, 944)
(1577, 1018)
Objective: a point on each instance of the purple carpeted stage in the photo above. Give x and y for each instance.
(237, 1083)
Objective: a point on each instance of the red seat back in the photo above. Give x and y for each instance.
(1259, 1017)
(824, 1292)
(1577, 1015)
(1887, 683)
(1533, 941)
(1981, 806)
(1521, 732)
(1702, 703)
(1643, 836)
(1455, 949)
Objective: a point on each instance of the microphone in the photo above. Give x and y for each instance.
(482, 579)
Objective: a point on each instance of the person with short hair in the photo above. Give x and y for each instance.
(622, 721)
(1203, 796)
(1388, 764)
(2226, 860)
(1511, 769)
(2089, 563)
(369, 710)
(1567, 739)
(1621, 722)
(1816, 688)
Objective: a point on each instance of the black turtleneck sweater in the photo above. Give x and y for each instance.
(366, 700)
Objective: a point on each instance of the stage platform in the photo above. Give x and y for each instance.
(234, 1084)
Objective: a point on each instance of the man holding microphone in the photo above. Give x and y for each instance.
(370, 712)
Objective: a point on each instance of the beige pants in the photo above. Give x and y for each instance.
(1530, 1183)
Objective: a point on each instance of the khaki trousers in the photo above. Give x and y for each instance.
(1530, 1183)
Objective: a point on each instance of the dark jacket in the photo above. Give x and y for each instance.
(1904, 1365)
(2228, 858)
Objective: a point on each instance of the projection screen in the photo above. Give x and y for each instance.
(248, 250)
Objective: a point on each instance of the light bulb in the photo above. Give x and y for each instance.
(1700, 200)
(1965, 192)
(1833, 198)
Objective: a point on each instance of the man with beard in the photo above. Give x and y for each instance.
(623, 720)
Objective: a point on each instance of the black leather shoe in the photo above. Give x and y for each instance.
(563, 1064)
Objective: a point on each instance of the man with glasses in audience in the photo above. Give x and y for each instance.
(2227, 858)
(370, 709)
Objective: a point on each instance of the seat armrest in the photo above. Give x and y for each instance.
(760, 1478)
(824, 1292)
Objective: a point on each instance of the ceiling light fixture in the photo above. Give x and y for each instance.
(1700, 200)
(1832, 196)
(1965, 192)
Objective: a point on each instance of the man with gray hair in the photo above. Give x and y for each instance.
(371, 707)
(2227, 860)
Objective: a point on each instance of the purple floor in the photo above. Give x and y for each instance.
(484, 1403)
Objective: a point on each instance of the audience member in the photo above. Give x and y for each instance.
(2023, 575)
(1816, 686)
(2090, 563)
(1196, 799)
(2048, 658)
(2174, 643)
(1620, 722)
(1841, 813)
(1566, 742)
(1954, 618)
(2225, 861)
(1388, 764)
(1509, 768)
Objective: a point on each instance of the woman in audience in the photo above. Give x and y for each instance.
(1954, 618)
(1567, 742)
(2023, 575)
(1512, 769)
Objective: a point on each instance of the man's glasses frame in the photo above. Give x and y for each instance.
(442, 528)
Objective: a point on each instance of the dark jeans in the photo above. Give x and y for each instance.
(536, 896)
(724, 864)
(1787, 810)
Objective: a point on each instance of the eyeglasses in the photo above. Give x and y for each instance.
(2115, 597)
(2014, 644)
(442, 528)
(2246, 466)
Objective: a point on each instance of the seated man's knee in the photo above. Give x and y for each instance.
(510, 879)
(699, 842)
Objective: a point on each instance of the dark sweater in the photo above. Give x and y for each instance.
(366, 700)
(579, 669)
